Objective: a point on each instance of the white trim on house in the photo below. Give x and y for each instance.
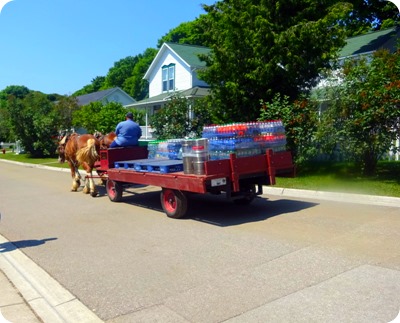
(163, 48)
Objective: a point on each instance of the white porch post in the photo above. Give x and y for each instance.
(147, 125)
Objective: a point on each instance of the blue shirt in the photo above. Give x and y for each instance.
(128, 133)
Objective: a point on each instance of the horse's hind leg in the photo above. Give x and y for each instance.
(93, 189)
(90, 187)
(86, 187)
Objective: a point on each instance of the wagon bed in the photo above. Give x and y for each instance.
(240, 179)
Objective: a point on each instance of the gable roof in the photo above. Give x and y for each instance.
(93, 97)
(188, 53)
(98, 96)
(370, 42)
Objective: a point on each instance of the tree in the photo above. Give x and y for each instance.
(96, 85)
(370, 15)
(300, 119)
(5, 127)
(87, 116)
(181, 118)
(121, 70)
(97, 116)
(112, 113)
(34, 122)
(65, 108)
(135, 85)
(364, 118)
(54, 97)
(17, 91)
(127, 74)
(189, 33)
(261, 47)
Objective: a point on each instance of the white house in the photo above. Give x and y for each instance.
(358, 46)
(173, 72)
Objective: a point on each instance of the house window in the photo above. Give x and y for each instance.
(168, 77)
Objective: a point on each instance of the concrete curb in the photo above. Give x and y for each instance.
(333, 196)
(47, 298)
(36, 166)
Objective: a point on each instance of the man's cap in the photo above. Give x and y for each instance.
(129, 115)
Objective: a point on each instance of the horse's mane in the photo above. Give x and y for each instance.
(88, 153)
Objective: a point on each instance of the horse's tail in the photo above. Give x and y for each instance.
(88, 153)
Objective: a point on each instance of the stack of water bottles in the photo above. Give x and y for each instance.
(165, 149)
(244, 139)
(174, 147)
(152, 147)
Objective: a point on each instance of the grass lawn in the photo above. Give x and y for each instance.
(24, 158)
(344, 177)
(337, 177)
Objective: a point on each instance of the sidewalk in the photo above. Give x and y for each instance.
(13, 307)
(29, 294)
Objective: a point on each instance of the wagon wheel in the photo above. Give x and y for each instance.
(114, 190)
(244, 200)
(174, 203)
(248, 193)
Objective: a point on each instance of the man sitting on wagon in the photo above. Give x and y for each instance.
(127, 133)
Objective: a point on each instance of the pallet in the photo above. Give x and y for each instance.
(130, 164)
(152, 165)
(166, 166)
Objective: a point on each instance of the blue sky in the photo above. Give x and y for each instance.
(58, 46)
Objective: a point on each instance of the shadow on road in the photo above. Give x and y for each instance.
(13, 245)
(218, 210)
(222, 212)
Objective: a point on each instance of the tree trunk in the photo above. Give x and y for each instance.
(369, 162)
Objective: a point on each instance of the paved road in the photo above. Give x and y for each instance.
(277, 260)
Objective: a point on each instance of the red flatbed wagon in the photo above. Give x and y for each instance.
(240, 179)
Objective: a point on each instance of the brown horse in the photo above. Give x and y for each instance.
(105, 140)
(80, 150)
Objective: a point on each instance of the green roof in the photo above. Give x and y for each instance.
(190, 53)
(370, 42)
